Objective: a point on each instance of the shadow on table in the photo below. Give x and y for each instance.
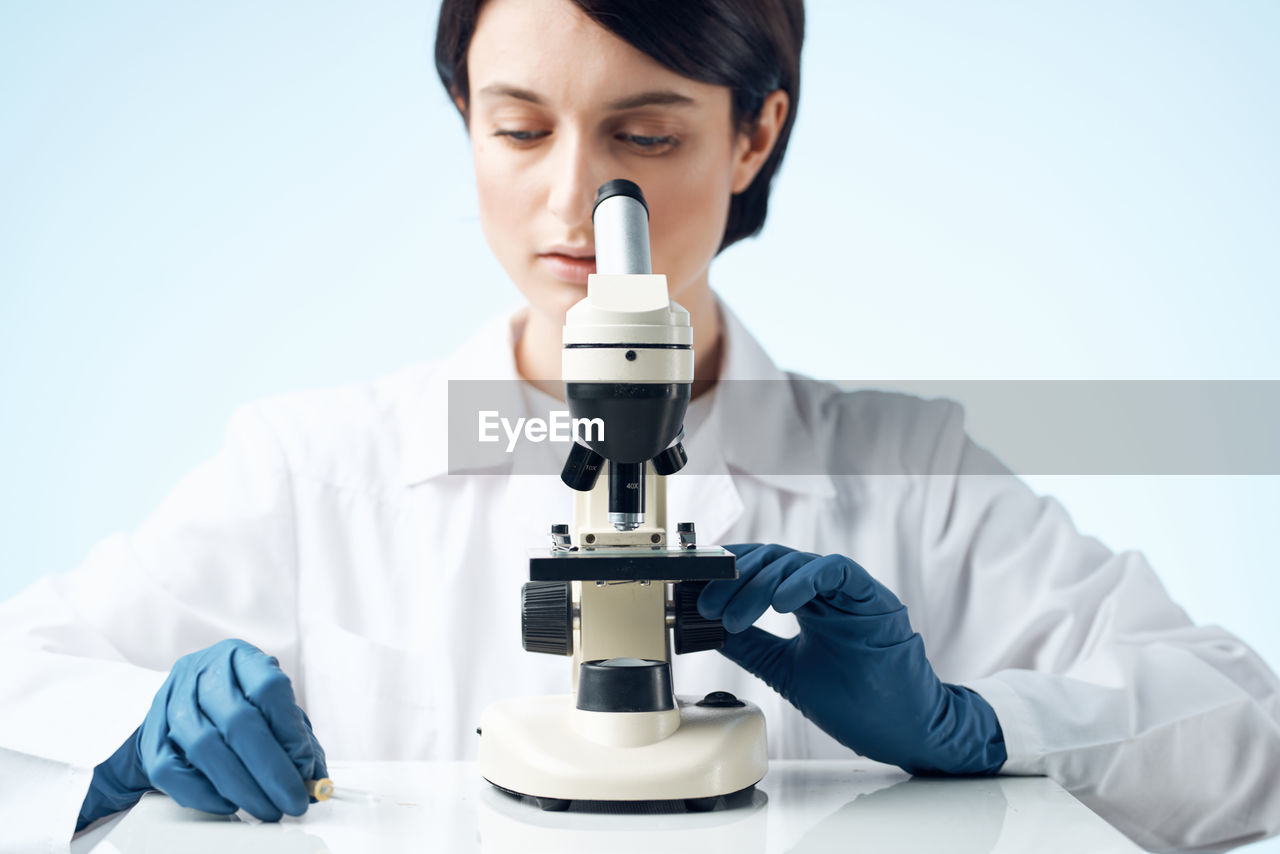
(508, 825)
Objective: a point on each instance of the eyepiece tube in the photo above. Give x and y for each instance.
(621, 223)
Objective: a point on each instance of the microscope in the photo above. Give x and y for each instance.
(617, 590)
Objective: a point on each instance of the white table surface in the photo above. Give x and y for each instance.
(801, 806)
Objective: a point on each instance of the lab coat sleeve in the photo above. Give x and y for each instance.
(83, 653)
(1169, 730)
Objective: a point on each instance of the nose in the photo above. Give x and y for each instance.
(573, 182)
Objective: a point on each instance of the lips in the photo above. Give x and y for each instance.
(572, 268)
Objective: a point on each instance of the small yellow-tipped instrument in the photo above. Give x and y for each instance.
(321, 790)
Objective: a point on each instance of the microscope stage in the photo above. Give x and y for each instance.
(631, 564)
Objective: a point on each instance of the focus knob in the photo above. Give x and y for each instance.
(546, 617)
(694, 632)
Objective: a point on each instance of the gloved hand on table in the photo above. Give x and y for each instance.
(856, 669)
(223, 733)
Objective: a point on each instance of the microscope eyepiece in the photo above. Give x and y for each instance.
(619, 187)
(620, 219)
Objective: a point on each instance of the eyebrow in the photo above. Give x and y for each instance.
(659, 97)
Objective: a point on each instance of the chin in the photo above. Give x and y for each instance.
(554, 303)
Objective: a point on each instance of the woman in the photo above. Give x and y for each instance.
(331, 534)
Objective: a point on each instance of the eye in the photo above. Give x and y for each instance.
(521, 136)
(649, 144)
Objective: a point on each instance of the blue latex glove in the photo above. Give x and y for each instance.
(856, 669)
(223, 733)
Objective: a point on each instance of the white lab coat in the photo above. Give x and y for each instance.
(330, 533)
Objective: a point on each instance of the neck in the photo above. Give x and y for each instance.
(538, 352)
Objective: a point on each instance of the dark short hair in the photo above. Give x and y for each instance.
(750, 46)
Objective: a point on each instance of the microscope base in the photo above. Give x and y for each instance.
(533, 746)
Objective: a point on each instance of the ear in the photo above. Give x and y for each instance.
(751, 149)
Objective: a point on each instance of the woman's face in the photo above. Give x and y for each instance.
(558, 106)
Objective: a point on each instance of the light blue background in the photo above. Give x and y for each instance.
(204, 204)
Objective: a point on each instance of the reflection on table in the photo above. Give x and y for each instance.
(801, 806)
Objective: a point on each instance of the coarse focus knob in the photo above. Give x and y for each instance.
(694, 632)
(546, 617)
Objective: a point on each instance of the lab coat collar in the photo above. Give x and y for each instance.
(759, 427)
(778, 446)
